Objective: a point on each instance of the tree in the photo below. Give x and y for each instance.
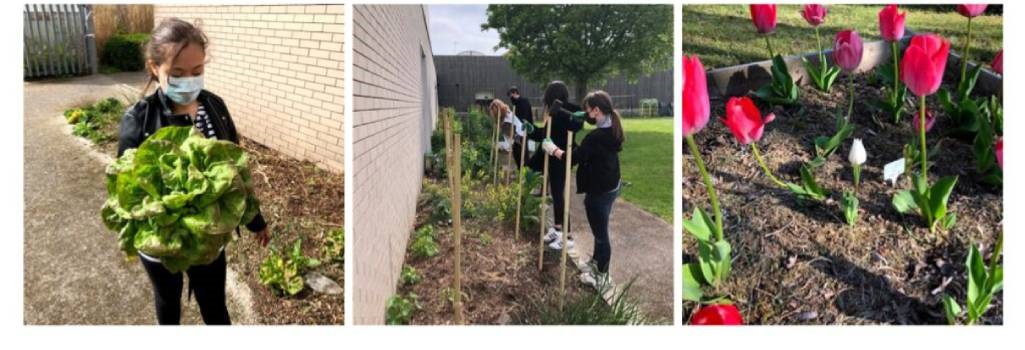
(583, 44)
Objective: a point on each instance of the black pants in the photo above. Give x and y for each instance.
(206, 283)
(556, 187)
(599, 208)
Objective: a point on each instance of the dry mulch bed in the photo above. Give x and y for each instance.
(501, 284)
(798, 262)
(298, 200)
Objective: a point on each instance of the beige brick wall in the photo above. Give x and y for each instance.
(394, 108)
(279, 69)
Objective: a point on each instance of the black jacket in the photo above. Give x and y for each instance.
(523, 110)
(561, 123)
(154, 112)
(597, 161)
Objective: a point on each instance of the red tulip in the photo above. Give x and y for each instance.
(695, 96)
(891, 23)
(847, 50)
(764, 18)
(1000, 152)
(924, 60)
(744, 119)
(971, 10)
(998, 62)
(717, 315)
(815, 14)
(930, 119)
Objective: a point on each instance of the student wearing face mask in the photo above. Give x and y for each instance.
(597, 161)
(175, 59)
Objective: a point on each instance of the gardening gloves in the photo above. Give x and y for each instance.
(550, 147)
(521, 127)
(556, 108)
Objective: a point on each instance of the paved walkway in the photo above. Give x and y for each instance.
(74, 271)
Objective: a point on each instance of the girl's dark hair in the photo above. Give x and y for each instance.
(556, 90)
(603, 102)
(173, 31)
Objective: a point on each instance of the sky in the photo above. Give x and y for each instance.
(456, 28)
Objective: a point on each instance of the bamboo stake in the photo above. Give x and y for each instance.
(494, 148)
(508, 174)
(544, 199)
(455, 176)
(520, 171)
(565, 220)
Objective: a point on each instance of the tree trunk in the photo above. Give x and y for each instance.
(581, 87)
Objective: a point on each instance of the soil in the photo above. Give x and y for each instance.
(501, 284)
(797, 262)
(298, 200)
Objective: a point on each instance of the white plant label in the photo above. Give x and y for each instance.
(893, 170)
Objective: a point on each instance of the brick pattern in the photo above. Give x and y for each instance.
(279, 69)
(394, 111)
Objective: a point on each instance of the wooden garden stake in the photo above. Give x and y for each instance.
(508, 175)
(565, 220)
(494, 148)
(544, 199)
(520, 171)
(455, 181)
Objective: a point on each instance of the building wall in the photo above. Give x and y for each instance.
(394, 112)
(460, 78)
(279, 69)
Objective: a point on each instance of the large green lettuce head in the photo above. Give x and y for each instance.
(178, 197)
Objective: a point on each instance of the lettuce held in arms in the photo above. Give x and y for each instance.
(178, 197)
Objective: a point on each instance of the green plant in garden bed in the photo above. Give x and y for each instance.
(409, 276)
(591, 309)
(93, 121)
(283, 272)
(178, 197)
(424, 242)
(334, 245)
(983, 283)
(400, 308)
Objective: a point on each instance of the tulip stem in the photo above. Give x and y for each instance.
(708, 186)
(850, 105)
(967, 52)
(758, 157)
(822, 55)
(857, 178)
(768, 43)
(897, 103)
(921, 134)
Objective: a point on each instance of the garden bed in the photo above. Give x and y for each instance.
(798, 262)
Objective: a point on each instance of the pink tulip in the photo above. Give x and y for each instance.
(891, 23)
(695, 96)
(924, 60)
(847, 50)
(744, 119)
(764, 18)
(1000, 152)
(930, 119)
(971, 10)
(998, 62)
(815, 14)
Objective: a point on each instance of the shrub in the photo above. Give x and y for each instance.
(124, 51)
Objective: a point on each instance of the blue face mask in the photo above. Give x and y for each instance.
(184, 90)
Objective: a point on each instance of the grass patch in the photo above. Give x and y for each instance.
(646, 164)
(722, 35)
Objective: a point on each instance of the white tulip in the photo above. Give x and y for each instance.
(857, 156)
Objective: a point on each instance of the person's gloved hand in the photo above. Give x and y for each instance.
(579, 116)
(549, 147)
(528, 127)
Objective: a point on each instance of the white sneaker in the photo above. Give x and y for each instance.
(596, 279)
(552, 235)
(557, 244)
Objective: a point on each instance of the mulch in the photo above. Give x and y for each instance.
(797, 262)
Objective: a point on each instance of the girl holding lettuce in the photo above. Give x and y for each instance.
(175, 59)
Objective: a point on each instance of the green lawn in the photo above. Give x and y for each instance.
(722, 35)
(646, 163)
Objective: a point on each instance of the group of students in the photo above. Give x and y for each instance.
(596, 158)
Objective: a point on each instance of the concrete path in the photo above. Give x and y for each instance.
(642, 248)
(74, 271)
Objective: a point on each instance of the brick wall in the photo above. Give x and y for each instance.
(279, 69)
(394, 110)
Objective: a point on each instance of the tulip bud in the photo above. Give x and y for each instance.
(814, 14)
(695, 96)
(930, 119)
(858, 156)
(744, 119)
(847, 50)
(717, 315)
(764, 18)
(998, 62)
(1000, 152)
(891, 23)
(971, 10)
(923, 63)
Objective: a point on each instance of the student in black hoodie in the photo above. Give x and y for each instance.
(597, 161)
(562, 118)
(175, 60)
(522, 105)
